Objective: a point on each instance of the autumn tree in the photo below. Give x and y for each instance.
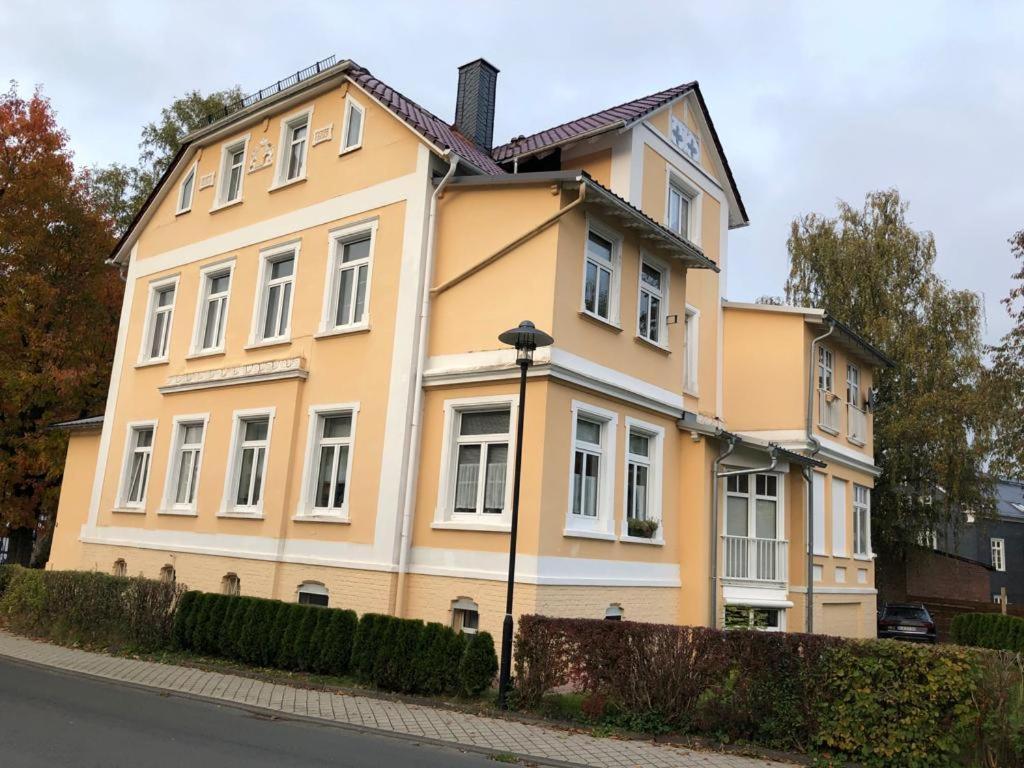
(58, 306)
(870, 268)
(1008, 377)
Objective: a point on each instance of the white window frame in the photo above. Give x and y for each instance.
(313, 588)
(149, 326)
(752, 497)
(350, 105)
(184, 206)
(675, 181)
(267, 257)
(169, 506)
(464, 605)
(231, 584)
(336, 241)
(131, 428)
(853, 384)
(691, 341)
(655, 471)
(603, 525)
(284, 144)
(228, 507)
(839, 516)
(206, 275)
(826, 369)
(444, 514)
(661, 295)
(614, 289)
(224, 173)
(752, 606)
(862, 520)
(997, 547)
(306, 508)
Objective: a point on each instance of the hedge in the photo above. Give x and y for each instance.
(85, 608)
(988, 630)
(881, 703)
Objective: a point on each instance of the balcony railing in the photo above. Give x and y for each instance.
(856, 424)
(828, 411)
(750, 559)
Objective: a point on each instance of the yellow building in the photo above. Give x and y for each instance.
(309, 401)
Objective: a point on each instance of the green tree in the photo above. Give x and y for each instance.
(869, 267)
(1007, 377)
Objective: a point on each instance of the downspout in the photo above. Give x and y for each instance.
(808, 473)
(416, 416)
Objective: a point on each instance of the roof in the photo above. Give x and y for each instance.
(92, 422)
(697, 423)
(1010, 500)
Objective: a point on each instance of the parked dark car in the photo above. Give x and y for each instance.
(906, 621)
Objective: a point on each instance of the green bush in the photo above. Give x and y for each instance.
(365, 645)
(336, 645)
(438, 646)
(292, 618)
(478, 665)
(989, 630)
(183, 617)
(303, 647)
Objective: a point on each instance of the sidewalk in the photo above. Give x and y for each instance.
(482, 734)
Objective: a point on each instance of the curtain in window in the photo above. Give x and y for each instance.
(467, 478)
(497, 471)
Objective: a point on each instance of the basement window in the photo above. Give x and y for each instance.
(750, 617)
(313, 593)
(465, 616)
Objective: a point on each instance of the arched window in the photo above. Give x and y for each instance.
(231, 585)
(120, 567)
(167, 574)
(613, 612)
(465, 616)
(313, 593)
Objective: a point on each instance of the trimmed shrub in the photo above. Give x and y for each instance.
(303, 646)
(336, 650)
(210, 640)
(478, 665)
(365, 645)
(318, 639)
(183, 617)
(231, 642)
(989, 630)
(438, 646)
(290, 621)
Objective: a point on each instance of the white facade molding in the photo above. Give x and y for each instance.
(830, 452)
(270, 370)
(836, 590)
(756, 596)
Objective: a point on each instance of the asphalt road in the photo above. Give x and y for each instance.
(50, 718)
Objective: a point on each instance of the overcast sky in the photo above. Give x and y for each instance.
(814, 101)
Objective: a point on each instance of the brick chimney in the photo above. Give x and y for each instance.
(474, 103)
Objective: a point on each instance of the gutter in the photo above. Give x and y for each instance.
(416, 416)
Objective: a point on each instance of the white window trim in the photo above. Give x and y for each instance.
(466, 605)
(868, 554)
(840, 517)
(673, 178)
(336, 240)
(752, 497)
(350, 104)
(614, 289)
(751, 605)
(168, 506)
(310, 464)
(225, 177)
(155, 287)
(228, 508)
(121, 504)
(998, 545)
(312, 588)
(284, 149)
(602, 526)
(199, 323)
(656, 461)
(184, 206)
(820, 530)
(691, 363)
(444, 517)
(666, 277)
(267, 255)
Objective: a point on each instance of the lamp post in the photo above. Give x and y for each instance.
(525, 338)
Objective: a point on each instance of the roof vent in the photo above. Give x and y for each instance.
(474, 103)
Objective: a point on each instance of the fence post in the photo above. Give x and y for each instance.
(1002, 600)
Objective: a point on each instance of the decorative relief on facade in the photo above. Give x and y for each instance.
(206, 180)
(262, 155)
(320, 135)
(684, 139)
(288, 368)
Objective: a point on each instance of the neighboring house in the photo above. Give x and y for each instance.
(309, 400)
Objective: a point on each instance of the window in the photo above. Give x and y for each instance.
(294, 145)
(188, 186)
(481, 462)
(251, 442)
(838, 517)
(638, 475)
(755, 549)
(600, 278)
(828, 403)
(183, 470)
(313, 593)
(679, 201)
(352, 132)
(825, 380)
(861, 521)
(613, 612)
(120, 568)
(652, 305)
(853, 385)
(591, 472)
(692, 350)
(586, 468)
(168, 575)
(157, 332)
(349, 279)
(212, 312)
(232, 171)
(749, 617)
(465, 616)
(231, 585)
(997, 598)
(643, 480)
(998, 554)
(275, 304)
(138, 457)
(329, 460)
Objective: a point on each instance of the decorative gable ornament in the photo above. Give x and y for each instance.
(684, 139)
(320, 135)
(262, 156)
(206, 180)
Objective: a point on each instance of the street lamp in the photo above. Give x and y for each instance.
(525, 338)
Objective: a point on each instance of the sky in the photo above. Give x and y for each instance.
(814, 101)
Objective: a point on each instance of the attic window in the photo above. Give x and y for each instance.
(352, 130)
(188, 186)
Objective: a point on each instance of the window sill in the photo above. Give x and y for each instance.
(178, 512)
(347, 150)
(284, 184)
(129, 510)
(855, 441)
(219, 352)
(828, 430)
(241, 515)
(690, 392)
(344, 331)
(627, 539)
(222, 206)
(657, 347)
(317, 518)
(864, 558)
(607, 324)
(183, 211)
(152, 362)
(581, 533)
(268, 343)
(471, 525)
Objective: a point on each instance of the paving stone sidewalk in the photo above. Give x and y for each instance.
(478, 733)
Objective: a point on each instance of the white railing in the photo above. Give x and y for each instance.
(750, 559)
(856, 424)
(828, 410)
